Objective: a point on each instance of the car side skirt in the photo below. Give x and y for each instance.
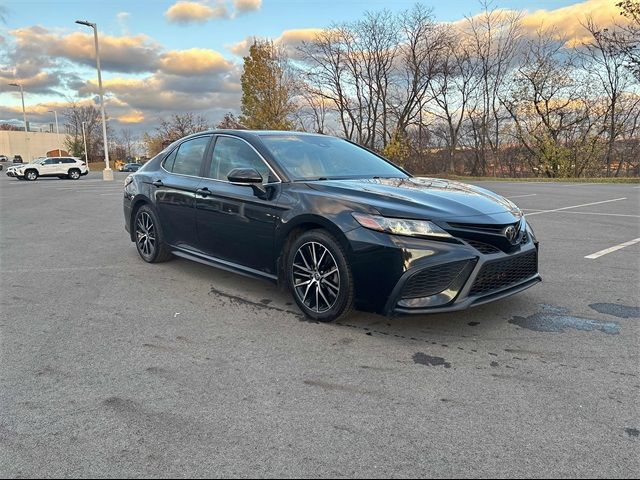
(222, 264)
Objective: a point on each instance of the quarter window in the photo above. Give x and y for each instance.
(230, 153)
(188, 158)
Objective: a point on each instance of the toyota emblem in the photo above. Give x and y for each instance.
(511, 233)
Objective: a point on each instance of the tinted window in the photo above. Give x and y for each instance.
(68, 160)
(310, 157)
(168, 162)
(189, 156)
(230, 153)
(51, 161)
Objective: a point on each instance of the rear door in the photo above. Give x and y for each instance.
(174, 191)
(67, 164)
(233, 224)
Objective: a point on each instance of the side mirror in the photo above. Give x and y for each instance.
(248, 177)
(244, 176)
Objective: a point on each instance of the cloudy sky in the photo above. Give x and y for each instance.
(161, 57)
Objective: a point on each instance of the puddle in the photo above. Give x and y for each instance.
(423, 359)
(632, 432)
(557, 320)
(617, 310)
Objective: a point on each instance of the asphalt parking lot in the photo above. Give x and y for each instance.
(113, 367)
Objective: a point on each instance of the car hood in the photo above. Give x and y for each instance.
(424, 198)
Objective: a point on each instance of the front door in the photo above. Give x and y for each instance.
(50, 167)
(233, 223)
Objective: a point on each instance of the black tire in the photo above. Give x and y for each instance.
(31, 175)
(320, 294)
(74, 174)
(148, 236)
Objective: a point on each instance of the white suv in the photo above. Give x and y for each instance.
(61, 167)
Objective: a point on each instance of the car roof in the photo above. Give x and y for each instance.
(254, 133)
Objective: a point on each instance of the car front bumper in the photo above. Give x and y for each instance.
(404, 275)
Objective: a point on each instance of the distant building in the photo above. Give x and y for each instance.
(30, 145)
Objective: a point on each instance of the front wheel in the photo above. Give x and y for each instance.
(31, 175)
(74, 174)
(320, 277)
(149, 238)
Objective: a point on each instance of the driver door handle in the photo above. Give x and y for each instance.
(205, 192)
(158, 183)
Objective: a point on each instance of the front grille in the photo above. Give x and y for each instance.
(505, 273)
(483, 247)
(433, 280)
(486, 228)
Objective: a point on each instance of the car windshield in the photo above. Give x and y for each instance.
(315, 157)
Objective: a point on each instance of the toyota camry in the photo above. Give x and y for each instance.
(340, 226)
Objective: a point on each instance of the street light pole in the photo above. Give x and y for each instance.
(55, 114)
(84, 139)
(107, 173)
(24, 117)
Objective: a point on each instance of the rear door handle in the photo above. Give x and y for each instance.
(158, 183)
(205, 192)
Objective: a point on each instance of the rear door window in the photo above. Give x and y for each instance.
(187, 159)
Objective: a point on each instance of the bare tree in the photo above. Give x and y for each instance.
(128, 140)
(607, 66)
(495, 36)
(452, 88)
(75, 116)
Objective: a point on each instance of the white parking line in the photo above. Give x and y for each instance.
(522, 196)
(612, 249)
(576, 206)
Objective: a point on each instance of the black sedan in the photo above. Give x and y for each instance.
(337, 224)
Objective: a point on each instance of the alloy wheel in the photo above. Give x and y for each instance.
(74, 174)
(316, 277)
(145, 234)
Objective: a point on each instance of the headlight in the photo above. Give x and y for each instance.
(128, 180)
(400, 226)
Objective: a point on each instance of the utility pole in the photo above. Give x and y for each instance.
(55, 114)
(24, 116)
(107, 173)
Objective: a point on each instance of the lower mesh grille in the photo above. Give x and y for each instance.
(483, 247)
(505, 273)
(432, 280)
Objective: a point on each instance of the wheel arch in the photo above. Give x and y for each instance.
(136, 203)
(294, 228)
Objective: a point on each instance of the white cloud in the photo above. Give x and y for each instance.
(186, 12)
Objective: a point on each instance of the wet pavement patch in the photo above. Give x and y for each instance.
(632, 432)
(424, 359)
(617, 310)
(557, 320)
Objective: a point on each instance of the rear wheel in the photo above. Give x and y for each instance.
(149, 238)
(74, 174)
(31, 175)
(320, 277)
